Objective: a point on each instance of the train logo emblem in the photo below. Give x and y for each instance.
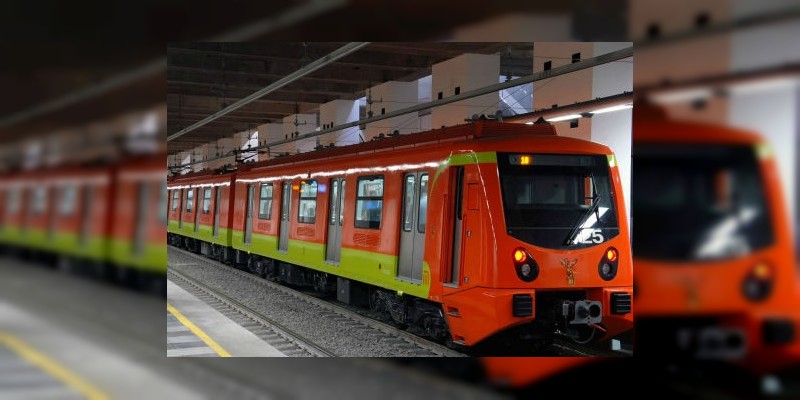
(570, 267)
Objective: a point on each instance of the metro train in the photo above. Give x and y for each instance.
(107, 219)
(469, 232)
(716, 277)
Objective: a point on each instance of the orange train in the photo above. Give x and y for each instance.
(715, 272)
(706, 289)
(469, 232)
(107, 218)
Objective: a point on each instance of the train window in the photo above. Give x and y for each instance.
(408, 206)
(714, 195)
(307, 211)
(559, 201)
(176, 197)
(333, 202)
(207, 200)
(68, 197)
(369, 202)
(265, 201)
(13, 199)
(39, 200)
(189, 200)
(162, 204)
(341, 204)
(423, 203)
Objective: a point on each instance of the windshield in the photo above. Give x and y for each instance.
(698, 203)
(558, 201)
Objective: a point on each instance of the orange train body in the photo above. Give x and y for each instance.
(447, 187)
(703, 294)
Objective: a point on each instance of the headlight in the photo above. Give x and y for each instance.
(608, 264)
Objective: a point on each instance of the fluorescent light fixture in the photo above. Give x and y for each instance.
(563, 118)
(529, 123)
(681, 95)
(618, 107)
(760, 85)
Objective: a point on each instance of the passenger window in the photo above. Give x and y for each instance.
(39, 200)
(307, 212)
(13, 200)
(68, 195)
(176, 197)
(423, 203)
(333, 202)
(369, 202)
(207, 201)
(265, 201)
(189, 200)
(408, 204)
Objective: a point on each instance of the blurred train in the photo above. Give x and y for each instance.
(468, 232)
(105, 219)
(716, 277)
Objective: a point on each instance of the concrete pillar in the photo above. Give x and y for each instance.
(681, 60)
(184, 159)
(459, 75)
(270, 133)
(424, 88)
(199, 156)
(391, 96)
(611, 129)
(339, 112)
(298, 124)
(218, 149)
(566, 89)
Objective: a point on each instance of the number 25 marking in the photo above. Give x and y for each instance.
(596, 237)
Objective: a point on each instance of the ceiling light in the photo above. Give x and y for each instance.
(563, 118)
(618, 107)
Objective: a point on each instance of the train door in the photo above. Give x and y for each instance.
(86, 218)
(286, 203)
(180, 210)
(56, 195)
(457, 216)
(248, 215)
(412, 227)
(141, 220)
(217, 200)
(333, 250)
(198, 207)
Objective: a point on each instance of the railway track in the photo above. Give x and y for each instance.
(279, 336)
(247, 317)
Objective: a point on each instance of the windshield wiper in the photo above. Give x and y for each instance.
(577, 227)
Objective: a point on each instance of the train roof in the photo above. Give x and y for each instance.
(652, 124)
(475, 130)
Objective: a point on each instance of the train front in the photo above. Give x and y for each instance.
(715, 274)
(561, 262)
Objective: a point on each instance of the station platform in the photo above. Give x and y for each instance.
(39, 360)
(195, 329)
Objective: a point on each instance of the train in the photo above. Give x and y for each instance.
(107, 219)
(470, 232)
(716, 276)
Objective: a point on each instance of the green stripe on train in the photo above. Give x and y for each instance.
(464, 159)
(151, 257)
(365, 266)
(204, 232)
